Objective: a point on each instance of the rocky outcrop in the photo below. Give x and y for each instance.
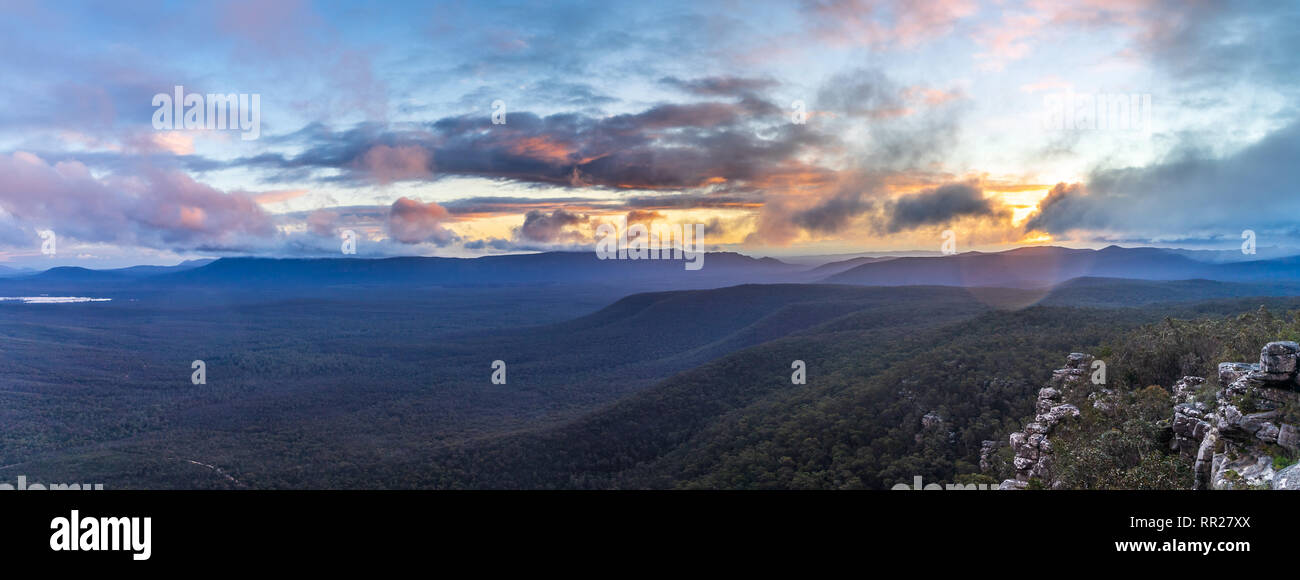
(1234, 441)
(1032, 446)
(1288, 479)
(1190, 427)
(1185, 389)
(1229, 372)
(987, 448)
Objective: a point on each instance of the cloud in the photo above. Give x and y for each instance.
(672, 146)
(278, 196)
(174, 142)
(901, 127)
(941, 205)
(153, 208)
(721, 85)
(322, 222)
(832, 215)
(862, 92)
(414, 222)
(1191, 194)
(642, 216)
(550, 228)
(498, 206)
(884, 23)
(490, 243)
(387, 164)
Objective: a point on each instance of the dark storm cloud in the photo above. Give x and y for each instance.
(833, 214)
(939, 206)
(666, 146)
(1191, 194)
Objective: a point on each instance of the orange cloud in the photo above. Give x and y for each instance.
(542, 148)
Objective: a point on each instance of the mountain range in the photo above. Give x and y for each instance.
(1029, 267)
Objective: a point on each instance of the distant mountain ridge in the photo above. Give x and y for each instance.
(1030, 267)
(1050, 265)
(542, 268)
(80, 274)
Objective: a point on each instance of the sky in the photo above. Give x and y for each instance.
(786, 128)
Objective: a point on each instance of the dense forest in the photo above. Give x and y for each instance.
(684, 389)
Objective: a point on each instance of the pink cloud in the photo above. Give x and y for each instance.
(1013, 37)
(323, 222)
(278, 196)
(174, 142)
(885, 22)
(413, 222)
(157, 209)
(387, 164)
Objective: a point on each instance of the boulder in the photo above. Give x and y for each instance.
(1189, 427)
(1243, 472)
(1077, 365)
(1288, 437)
(1185, 388)
(1254, 422)
(1205, 460)
(1267, 433)
(1047, 398)
(1229, 372)
(1227, 418)
(1078, 360)
(1279, 358)
(1057, 414)
(1288, 479)
(1275, 397)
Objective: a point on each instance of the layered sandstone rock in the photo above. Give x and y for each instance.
(1033, 448)
(1251, 422)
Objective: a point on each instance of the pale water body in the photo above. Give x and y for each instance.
(51, 299)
